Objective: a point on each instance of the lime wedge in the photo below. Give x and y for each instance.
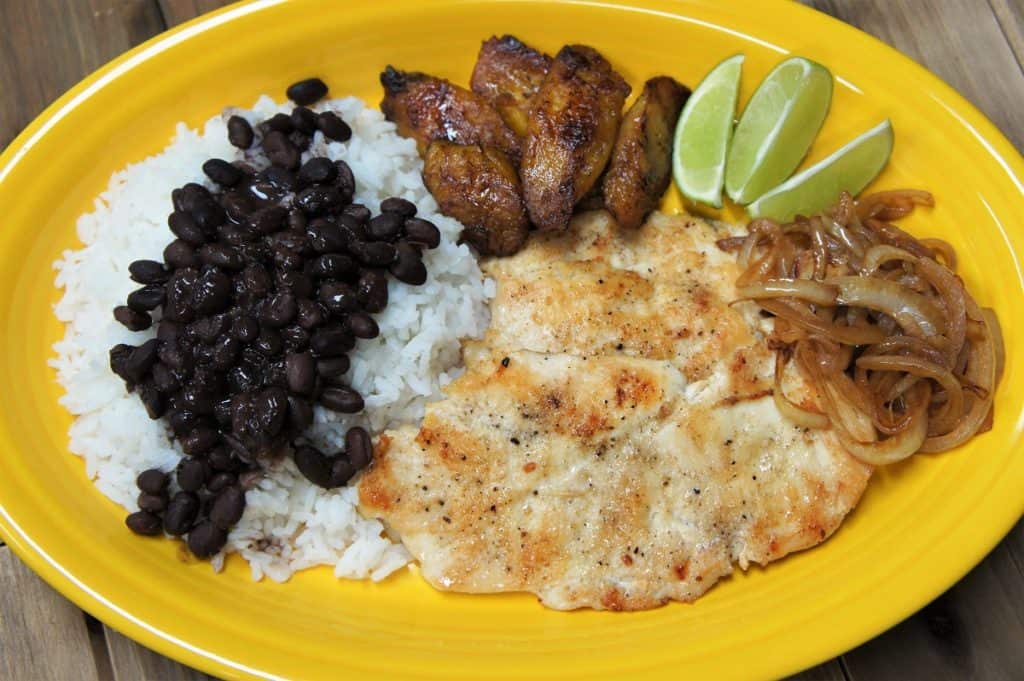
(703, 133)
(849, 168)
(777, 127)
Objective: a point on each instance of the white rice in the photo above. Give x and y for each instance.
(289, 524)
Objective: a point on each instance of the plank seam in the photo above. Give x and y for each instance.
(1006, 36)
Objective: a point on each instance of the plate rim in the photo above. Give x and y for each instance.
(988, 135)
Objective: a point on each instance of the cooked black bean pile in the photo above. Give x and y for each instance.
(270, 281)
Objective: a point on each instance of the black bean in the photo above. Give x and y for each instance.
(373, 253)
(168, 331)
(208, 329)
(179, 253)
(222, 172)
(181, 513)
(296, 338)
(206, 539)
(300, 414)
(189, 196)
(285, 259)
(119, 355)
(221, 255)
(300, 139)
(280, 178)
(317, 170)
(222, 412)
(423, 232)
(295, 281)
(197, 399)
(269, 342)
(300, 368)
(200, 441)
(326, 237)
(225, 350)
(333, 367)
(256, 279)
(152, 399)
(146, 298)
(338, 297)
(306, 92)
(313, 464)
(175, 357)
(221, 480)
(164, 379)
(399, 206)
(385, 227)
(358, 447)
(304, 120)
(311, 314)
(144, 523)
(268, 220)
(297, 220)
(221, 459)
(280, 150)
(346, 181)
(333, 266)
(342, 471)
(279, 310)
(272, 409)
(131, 319)
(212, 292)
(331, 341)
(148, 272)
(152, 481)
(240, 132)
(154, 503)
(238, 205)
(141, 360)
(280, 121)
(245, 329)
(331, 125)
(363, 325)
(372, 290)
(179, 288)
(192, 473)
(208, 216)
(408, 267)
(357, 212)
(182, 421)
(228, 508)
(320, 200)
(342, 399)
(184, 226)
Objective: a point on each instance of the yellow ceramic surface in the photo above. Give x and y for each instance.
(921, 526)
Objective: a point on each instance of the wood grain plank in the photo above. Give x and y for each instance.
(1010, 14)
(132, 662)
(960, 41)
(177, 11)
(973, 631)
(49, 45)
(42, 635)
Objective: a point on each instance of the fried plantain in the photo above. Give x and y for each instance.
(641, 165)
(427, 108)
(479, 187)
(507, 74)
(574, 119)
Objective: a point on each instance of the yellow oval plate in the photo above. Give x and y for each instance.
(921, 525)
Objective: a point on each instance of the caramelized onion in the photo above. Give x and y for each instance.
(904, 359)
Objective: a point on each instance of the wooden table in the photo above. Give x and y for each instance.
(973, 631)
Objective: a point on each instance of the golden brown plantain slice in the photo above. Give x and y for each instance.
(574, 119)
(507, 74)
(641, 165)
(479, 187)
(426, 108)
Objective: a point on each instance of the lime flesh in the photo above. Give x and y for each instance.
(703, 132)
(849, 169)
(777, 127)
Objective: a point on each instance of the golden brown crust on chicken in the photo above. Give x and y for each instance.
(641, 164)
(508, 73)
(426, 108)
(574, 119)
(479, 187)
